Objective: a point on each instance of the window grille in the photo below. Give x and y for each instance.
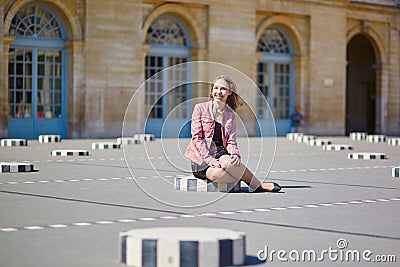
(273, 41)
(35, 21)
(166, 31)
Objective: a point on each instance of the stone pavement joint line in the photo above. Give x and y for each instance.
(205, 214)
(169, 176)
(163, 158)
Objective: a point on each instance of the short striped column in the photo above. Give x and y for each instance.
(358, 136)
(319, 142)
(396, 172)
(376, 138)
(293, 136)
(394, 141)
(305, 138)
(69, 152)
(337, 147)
(14, 142)
(105, 145)
(145, 137)
(128, 141)
(16, 167)
(182, 247)
(193, 184)
(366, 156)
(49, 138)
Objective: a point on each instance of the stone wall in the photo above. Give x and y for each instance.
(106, 55)
(113, 64)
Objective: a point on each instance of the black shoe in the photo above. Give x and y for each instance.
(276, 188)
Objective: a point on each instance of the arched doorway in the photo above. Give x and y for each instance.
(275, 80)
(37, 73)
(360, 86)
(166, 95)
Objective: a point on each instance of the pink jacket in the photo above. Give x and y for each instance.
(202, 129)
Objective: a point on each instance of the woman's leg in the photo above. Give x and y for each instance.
(219, 175)
(241, 172)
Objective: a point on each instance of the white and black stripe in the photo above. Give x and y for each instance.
(319, 142)
(193, 184)
(66, 152)
(182, 247)
(14, 142)
(49, 138)
(367, 156)
(128, 141)
(293, 136)
(394, 141)
(396, 172)
(145, 137)
(16, 167)
(105, 145)
(376, 138)
(305, 138)
(337, 147)
(358, 136)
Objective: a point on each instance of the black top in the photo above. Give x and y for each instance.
(217, 137)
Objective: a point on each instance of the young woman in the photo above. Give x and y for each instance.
(213, 150)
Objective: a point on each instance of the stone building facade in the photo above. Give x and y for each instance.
(72, 66)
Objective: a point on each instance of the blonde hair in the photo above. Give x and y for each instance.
(233, 101)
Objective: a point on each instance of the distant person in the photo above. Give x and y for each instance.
(296, 119)
(213, 151)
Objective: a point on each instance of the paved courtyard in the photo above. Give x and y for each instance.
(71, 210)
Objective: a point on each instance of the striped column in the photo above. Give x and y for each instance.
(358, 136)
(145, 137)
(13, 142)
(319, 142)
(367, 156)
(71, 152)
(293, 136)
(394, 141)
(305, 138)
(190, 183)
(105, 145)
(182, 247)
(128, 141)
(396, 172)
(49, 138)
(16, 167)
(337, 147)
(376, 138)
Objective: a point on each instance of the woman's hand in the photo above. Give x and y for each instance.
(235, 160)
(215, 163)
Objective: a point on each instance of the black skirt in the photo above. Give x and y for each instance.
(199, 171)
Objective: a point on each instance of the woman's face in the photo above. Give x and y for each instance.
(221, 91)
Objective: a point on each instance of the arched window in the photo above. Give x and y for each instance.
(272, 41)
(170, 44)
(35, 21)
(275, 77)
(36, 73)
(166, 31)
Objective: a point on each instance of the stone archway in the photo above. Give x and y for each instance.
(361, 91)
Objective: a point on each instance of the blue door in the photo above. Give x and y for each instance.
(168, 93)
(275, 80)
(37, 75)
